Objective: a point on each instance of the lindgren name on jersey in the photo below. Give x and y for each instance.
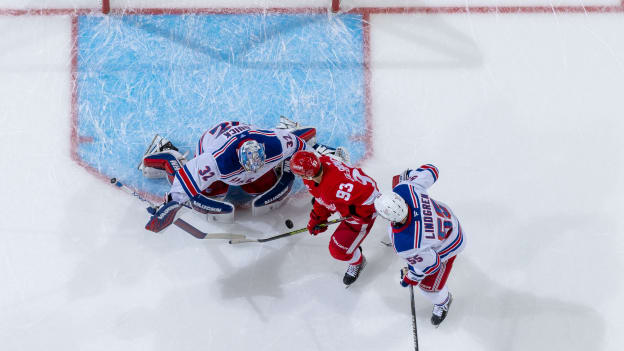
(427, 215)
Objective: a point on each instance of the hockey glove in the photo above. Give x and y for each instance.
(163, 216)
(405, 279)
(314, 225)
(401, 177)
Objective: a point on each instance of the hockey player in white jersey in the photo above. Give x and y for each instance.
(230, 154)
(425, 233)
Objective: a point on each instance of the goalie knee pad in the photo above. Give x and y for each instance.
(215, 210)
(308, 134)
(274, 197)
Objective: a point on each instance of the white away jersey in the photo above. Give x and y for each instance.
(431, 234)
(216, 157)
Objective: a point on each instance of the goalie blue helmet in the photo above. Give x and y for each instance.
(251, 155)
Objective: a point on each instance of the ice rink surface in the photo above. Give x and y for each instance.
(521, 112)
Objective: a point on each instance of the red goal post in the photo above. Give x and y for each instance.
(335, 5)
(105, 6)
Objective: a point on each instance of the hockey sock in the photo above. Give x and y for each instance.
(357, 257)
(438, 297)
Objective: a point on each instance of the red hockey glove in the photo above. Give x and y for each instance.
(405, 279)
(314, 225)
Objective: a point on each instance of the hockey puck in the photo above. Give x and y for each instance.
(289, 223)
(113, 180)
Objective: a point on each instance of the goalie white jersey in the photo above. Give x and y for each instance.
(216, 157)
(432, 234)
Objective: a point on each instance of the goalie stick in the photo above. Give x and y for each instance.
(189, 228)
(127, 190)
(279, 236)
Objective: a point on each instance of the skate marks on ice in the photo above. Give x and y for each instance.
(236, 306)
(209, 55)
(238, 54)
(504, 319)
(437, 44)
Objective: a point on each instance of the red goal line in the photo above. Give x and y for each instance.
(335, 7)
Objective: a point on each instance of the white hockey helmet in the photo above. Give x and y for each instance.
(391, 206)
(251, 155)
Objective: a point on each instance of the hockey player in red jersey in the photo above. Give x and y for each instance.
(337, 187)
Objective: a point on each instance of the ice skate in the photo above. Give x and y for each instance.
(158, 144)
(439, 311)
(353, 272)
(288, 124)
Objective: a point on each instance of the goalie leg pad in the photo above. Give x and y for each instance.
(162, 164)
(215, 210)
(308, 134)
(274, 197)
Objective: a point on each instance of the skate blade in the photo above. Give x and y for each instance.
(358, 278)
(140, 165)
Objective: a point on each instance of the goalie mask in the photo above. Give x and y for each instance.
(391, 206)
(251, 155)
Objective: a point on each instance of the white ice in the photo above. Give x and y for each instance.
(521, 113)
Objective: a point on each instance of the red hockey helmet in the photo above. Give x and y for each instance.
(305, 164)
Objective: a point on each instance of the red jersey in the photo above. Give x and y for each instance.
(343, 189)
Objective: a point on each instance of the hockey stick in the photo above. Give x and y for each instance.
(127, 190)
(279, 236)
(189, 228)
(414, 329)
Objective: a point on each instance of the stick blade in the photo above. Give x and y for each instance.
(182, 224)
(189, 228)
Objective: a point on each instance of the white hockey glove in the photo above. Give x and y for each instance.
(405, 175)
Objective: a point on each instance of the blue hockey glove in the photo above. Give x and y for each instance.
(163, 216)
(405, 279)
